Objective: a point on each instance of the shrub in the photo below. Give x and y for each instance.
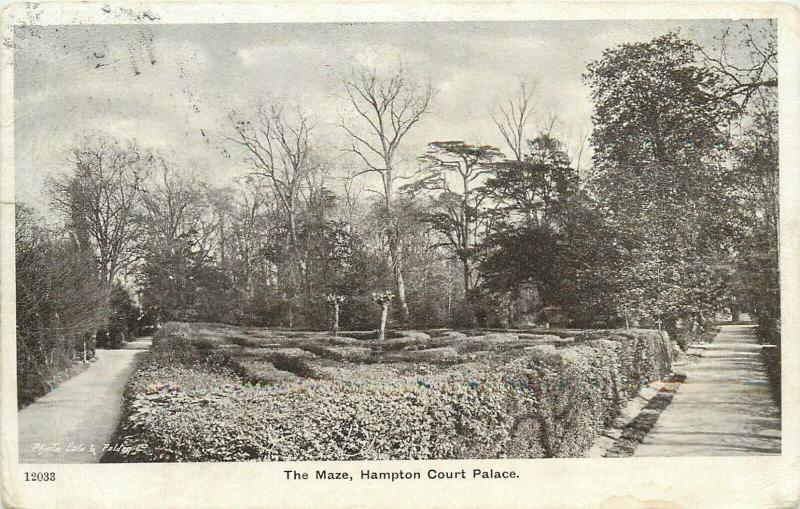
(110, 339)
(293, 363)
(241, 341)
(442, 355)
(446, 334)
(172, 330)
(176, 343)
(124, 312)
(259, 371)
(339, 353)
(343, 341)
(540, 401)
(373, 334)
(359, 313)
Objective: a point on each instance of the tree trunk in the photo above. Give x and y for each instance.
(467, 289)
(335, 319)
(449, 293)
(297, 254)
(510, 311)
(465, 248)
(222, 242)
(384, 312)
(306, 278)
(395, 250)
(396, 263)
(401, 293)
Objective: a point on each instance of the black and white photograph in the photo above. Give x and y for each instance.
(374, 241)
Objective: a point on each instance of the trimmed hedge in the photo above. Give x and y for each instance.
(643, 354)
(535, 401)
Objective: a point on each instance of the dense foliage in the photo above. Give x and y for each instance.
(314, 397)
(60, 305)
(659, 138)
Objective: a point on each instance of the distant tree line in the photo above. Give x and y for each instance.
(675, 220)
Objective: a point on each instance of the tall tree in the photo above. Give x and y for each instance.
(277, 144)
(385, 108)
(660, 121)
(172, 203)
(533, 190)
(247, 229)
(456, 208)
(100, 201)
(176, 245)
(526, 244)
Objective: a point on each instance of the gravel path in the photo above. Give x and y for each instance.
(62, 426)
(724, 408)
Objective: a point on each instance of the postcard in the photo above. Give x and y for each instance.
(399, 255)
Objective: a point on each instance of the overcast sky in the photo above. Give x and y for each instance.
(172, 86)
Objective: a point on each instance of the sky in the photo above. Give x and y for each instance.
(172, 87)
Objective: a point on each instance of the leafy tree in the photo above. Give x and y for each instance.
(182, 277)
(172, 208)
(250, 250)
(660, 130)
(99, 201)
(329, 246)
(593, 265)
(527, 245)
(536, 189)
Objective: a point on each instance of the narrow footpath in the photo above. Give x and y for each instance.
(72, 423)
(724, 408)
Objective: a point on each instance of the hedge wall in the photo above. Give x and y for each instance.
(540, 401)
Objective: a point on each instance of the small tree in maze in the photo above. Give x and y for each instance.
(335, 301)
(383, 299)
